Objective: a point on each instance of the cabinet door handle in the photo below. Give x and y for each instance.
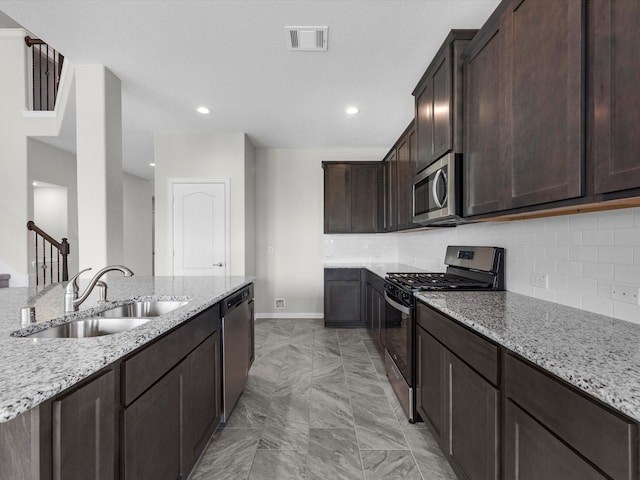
(219, 264)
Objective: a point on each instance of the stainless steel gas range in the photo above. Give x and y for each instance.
(468, 268)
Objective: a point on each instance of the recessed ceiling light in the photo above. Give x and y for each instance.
(152, 164)
(203, 110)
(35, 184)
(352, 110)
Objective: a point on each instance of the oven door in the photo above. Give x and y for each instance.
(397, 335)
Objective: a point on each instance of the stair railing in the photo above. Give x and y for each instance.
(46, 70)
(45, 243)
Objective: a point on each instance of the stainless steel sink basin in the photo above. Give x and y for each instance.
(142, 309)
(90, 327)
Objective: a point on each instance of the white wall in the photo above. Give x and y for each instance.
(50, 210)
(53, 165)
(200, 156)
(99, 166)
(16, 201)
(250, 207)
(583, 255)
(290, 219)
(137, 224)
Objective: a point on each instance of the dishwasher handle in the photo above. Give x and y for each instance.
(231, 303)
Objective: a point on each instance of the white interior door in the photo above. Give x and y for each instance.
(200, 228)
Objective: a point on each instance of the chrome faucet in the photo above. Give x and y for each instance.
(72, 299)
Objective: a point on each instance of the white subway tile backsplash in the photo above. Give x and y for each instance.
(623, 255)
(598, 271)
(560, 252)
(627, 236)
(598, 305)
(615, 218)
(583, 254)
(597, 237)
(626, 311)
(629, 274)
(583, 221)
(573, 269)
(545, 238)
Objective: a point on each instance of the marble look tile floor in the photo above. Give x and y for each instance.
(318, 405)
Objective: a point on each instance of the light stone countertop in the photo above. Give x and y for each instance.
(35, 370)
(380, 269)
(600, 355)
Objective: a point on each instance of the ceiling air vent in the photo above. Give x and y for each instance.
(307, 39)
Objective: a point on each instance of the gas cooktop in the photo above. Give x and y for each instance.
(468, 268)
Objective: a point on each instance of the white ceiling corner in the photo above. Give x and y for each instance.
(173, 55)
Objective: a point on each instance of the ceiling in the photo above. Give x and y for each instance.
(231, 55)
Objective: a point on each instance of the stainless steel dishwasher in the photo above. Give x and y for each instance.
(237, 346)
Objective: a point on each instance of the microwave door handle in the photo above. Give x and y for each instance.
(440, 175)
(396, 305)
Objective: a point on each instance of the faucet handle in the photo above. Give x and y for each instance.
(102, 291)
(72, 286)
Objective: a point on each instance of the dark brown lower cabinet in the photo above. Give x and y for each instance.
(533, 453)
(473, 422)
(84, 431)
(343, 297)
(167, 428)
(430, 384)
(202, 398)
(461, 406)
(151, 432)
(599, 443)
(375, 307)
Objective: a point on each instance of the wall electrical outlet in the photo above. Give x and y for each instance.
(280, 303)
(270, 250)
(624, 293)
(539, 280)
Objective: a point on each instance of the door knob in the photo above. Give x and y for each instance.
(219, 264)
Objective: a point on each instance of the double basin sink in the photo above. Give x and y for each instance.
(114, 320)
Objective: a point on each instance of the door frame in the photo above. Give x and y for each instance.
(227, 209)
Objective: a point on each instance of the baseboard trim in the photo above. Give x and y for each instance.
(289, 315)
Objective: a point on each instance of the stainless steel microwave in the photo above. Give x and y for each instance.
(436, 193)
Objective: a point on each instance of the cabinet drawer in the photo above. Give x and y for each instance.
(143, 369)
(342, 274)
(603, 437)
(376, 282)
(480, 354)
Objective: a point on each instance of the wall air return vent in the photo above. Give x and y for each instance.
(307, 39)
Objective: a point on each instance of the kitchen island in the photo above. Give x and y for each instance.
(152, 393)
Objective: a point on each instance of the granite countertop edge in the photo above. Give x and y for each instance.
(594, 353)
(33, 371)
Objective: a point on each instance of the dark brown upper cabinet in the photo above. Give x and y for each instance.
(525, 107)
(390, 173)
(352, 193)
(438, 100)
(614, 100)
(406, 151)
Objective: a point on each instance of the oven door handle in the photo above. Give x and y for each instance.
(396, 305)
